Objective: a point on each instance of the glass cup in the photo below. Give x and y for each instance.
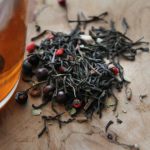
(12, 43)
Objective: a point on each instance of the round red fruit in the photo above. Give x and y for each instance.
(115, 70)
(59, 52)
(31, 47)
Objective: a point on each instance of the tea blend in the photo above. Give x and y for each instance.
(79, 71)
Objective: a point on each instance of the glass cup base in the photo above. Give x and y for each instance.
(7, 98)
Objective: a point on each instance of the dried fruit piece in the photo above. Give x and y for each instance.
(41, 74)
(35, 92)
(31, 47)
(61, 97)
(21, 97)
(48, 90)
(115, 70)
(33, 60)
(27, 68)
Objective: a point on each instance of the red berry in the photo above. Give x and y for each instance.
(62, 2)
(31, 47)
(76, 103)
(50, 37)
(115, 70)
(59, 52)
(61, 69)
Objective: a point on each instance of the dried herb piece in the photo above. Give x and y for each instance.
(141, 97)
(128, 93)
(112, 25)
(43, 130)
(92, 19)
(108, 125)
(40, 35)
(119, 121)
(38, 28)
(125, 25)
(41, 105)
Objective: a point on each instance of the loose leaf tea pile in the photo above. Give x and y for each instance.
(77, 70)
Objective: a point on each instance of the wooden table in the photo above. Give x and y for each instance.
(19, 129)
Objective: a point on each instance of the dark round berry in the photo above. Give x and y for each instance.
(61, 97)
(41, 74)
(33, 60)
(48, 90)
(21, 97)
(27, 68)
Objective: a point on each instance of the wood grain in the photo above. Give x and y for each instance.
(19, 129)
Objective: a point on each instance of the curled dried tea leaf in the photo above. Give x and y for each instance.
(108, 125)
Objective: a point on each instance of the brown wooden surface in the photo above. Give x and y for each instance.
(19, 129)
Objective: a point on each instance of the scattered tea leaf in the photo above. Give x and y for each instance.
(108, 125)
(119, 121)
(125, 25)
(141, 97)
(128, 93)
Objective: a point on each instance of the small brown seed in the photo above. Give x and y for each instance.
(35, 92)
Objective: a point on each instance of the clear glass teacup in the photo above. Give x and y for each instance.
(12, 43)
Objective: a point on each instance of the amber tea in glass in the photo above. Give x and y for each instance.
(12, 42)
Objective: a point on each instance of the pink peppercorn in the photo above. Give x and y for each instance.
(59, 52)
(31, 47)
(115, 70)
